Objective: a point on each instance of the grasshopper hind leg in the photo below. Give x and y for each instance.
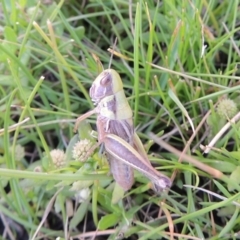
(122, 173)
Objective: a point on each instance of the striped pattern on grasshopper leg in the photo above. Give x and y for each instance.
(114, 145)
(124, 149)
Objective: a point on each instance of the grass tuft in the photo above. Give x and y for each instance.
(178, 60)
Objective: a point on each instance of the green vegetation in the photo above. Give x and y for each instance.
(178, 59)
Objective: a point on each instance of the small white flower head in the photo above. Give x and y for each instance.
(19, 152)
(80, 150)
(227, 108)
(82, 195)
(58, 158)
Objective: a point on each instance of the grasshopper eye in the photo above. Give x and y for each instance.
(106, 79)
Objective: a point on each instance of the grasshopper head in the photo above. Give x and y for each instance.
(106, 84)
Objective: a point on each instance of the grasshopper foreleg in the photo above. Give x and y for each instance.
(82, 117)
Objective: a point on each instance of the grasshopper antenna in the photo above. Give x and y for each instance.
(114, 47)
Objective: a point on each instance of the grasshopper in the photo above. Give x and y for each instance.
(124, 149)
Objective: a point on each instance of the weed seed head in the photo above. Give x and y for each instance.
(58, 158)
(227, 108)
(80, 150)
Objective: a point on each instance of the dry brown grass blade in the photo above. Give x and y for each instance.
(212, 171)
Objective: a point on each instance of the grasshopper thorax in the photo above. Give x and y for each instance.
(106, 84)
